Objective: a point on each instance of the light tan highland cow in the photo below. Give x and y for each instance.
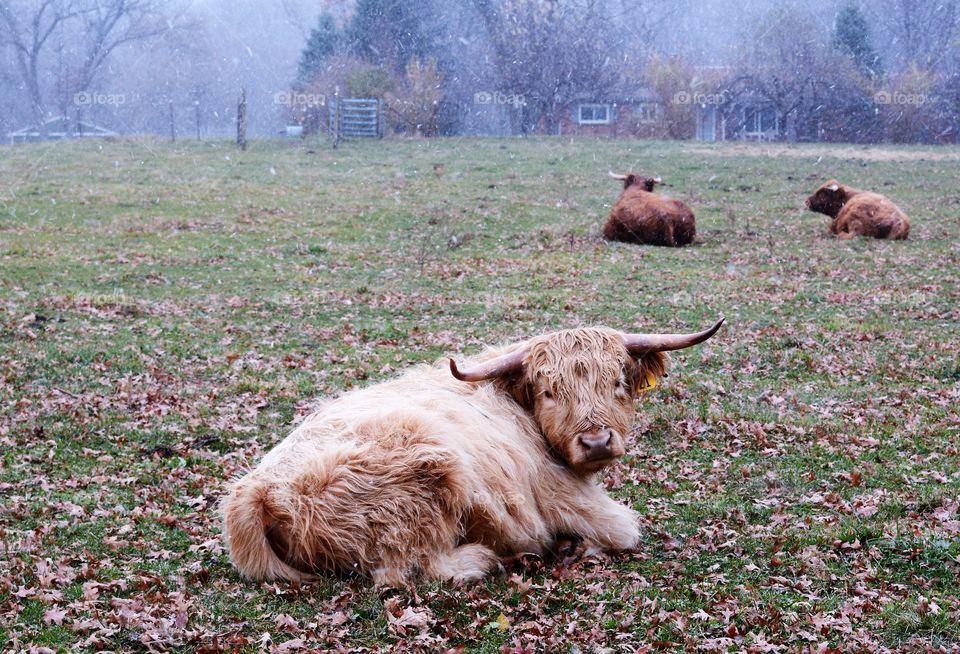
(441, 472)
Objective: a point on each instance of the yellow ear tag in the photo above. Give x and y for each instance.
(648, 383)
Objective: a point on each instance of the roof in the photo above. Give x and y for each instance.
(621, 96)
(60, 127)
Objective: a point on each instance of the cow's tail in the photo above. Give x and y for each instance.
(247, 519)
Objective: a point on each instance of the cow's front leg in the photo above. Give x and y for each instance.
(615, 527)
(564, 545)
(464, 563)
(600, 521)
(854, 228)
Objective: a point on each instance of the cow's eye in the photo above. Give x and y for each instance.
(547, 394)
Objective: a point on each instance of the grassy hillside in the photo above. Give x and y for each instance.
(168, 311)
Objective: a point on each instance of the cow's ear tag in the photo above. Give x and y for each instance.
(647, 383)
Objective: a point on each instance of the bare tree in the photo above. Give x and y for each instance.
(923, 31)
(785, 57)
(27, 30)
(87, 33)
(647, 27)
(111, 24)
(550, 53)
(416, 106)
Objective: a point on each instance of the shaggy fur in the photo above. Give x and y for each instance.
(425, 476)
(641, 216)
(859, 213)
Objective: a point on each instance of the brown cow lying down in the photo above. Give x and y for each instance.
(859, 213)
(436, 475)
(641, 216)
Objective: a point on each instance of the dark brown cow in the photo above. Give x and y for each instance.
(859, 213)
(641, 216)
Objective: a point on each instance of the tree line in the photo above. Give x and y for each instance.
(821, 79)
(870, 70)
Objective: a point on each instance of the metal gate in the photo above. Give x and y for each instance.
(356, 117)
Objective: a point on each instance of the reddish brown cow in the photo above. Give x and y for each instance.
(859, 213)
(641, 216)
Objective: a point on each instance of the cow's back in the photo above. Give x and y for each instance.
(639, 216)
(874, 215)
(631, 218)
(468, 418)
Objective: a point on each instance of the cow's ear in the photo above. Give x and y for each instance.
(649, 369)
(629, 180)
(521, 389)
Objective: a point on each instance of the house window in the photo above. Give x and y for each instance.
(759, 121)
(594, 114)
(647, 112)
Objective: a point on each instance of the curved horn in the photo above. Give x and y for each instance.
(502, 365)
(658, 180)
(644, 343)
(615, 176)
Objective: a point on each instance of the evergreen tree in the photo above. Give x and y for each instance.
(851, 36)
(392, 32)
(323, 43)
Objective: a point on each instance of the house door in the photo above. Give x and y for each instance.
(707, 124)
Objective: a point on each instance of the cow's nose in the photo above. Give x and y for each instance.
(597, 443)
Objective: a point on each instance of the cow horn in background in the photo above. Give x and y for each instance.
(638, 344)
(615, 176)
(503, 365)
(658, 180)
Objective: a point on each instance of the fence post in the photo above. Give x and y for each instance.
(336, 117)
(173, 126)
(242, 120)
(381, 119)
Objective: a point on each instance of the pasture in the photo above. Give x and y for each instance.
(168, 311)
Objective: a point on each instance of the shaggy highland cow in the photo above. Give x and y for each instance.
(859, 213)
(641, 216)
(441, 472)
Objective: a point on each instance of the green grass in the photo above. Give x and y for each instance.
(166, 312)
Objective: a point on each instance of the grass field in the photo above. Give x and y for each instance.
(168, 311)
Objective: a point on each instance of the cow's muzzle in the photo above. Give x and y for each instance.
(599, 445)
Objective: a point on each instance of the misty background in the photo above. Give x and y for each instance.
(144, 66)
